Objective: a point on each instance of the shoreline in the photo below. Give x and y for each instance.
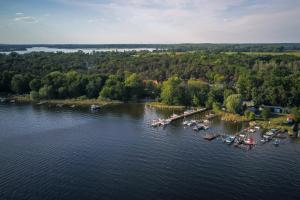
(63, 102)
(163, 106)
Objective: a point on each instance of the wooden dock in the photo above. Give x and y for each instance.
(188, 114)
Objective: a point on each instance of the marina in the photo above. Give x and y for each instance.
(246, 138)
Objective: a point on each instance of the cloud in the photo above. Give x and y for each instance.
(96, 20)
(19, 13)
(27, 19)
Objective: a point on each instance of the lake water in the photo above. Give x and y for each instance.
(63, 153)
(89, 50)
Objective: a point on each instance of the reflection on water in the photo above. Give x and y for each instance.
(64, 153)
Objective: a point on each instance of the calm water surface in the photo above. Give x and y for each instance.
(55, 153)
(85, 50)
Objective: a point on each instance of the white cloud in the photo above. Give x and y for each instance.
(19, 13)
(96, 20)
(26, 19)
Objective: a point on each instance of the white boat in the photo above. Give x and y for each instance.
(270, 133)
(229, 139)
(95, 107)
(206, 121)
(174, 116)
(185, 122)
(251, 130)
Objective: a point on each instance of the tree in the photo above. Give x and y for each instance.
(215, 95)
(198, 92)
(35, 84)
(296, 114)
(46, 92)
(93, 87)
(113, 88)
(34, 95)
(234, 103)
(19, 84)
(250, 115)
(134, 86)
(172, 91)
(5, 81)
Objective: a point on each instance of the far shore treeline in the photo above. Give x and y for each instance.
(198, 78)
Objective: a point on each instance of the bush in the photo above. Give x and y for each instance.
(250, 115)
(34, 95)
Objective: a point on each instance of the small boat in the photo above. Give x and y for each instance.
(263, 140)
(2, 100)
(249, 141)
(251, 130)
(95, 107)
(269, 133)
(192, 122)
(210, 136)
(185, 122)
(206, 121)
(187, 112)
(257, 127)
(198, 127)
(229, 139)
(165, 122)
(174, 116)
(205, 127)
(276, 142)
(266, 138)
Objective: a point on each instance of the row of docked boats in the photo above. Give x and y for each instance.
(163, 122)
(269, 135)
(197, 124)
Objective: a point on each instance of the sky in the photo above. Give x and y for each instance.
(146, 21)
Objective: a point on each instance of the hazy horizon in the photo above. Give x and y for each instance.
(145, 22)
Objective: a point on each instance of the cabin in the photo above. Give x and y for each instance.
(153, 82)
(275, 109)
(250, 106)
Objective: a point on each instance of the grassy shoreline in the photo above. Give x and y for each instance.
(163, 106)
(275, 122)
(231, 117)
(64, 102)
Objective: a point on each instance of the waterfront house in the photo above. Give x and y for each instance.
(275, 109)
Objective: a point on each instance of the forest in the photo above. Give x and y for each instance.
(197, 78)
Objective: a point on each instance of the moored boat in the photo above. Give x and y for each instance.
(230, 139)
(210, 136)
(95, 107)
(276, 142)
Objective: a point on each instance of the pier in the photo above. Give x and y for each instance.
(174, 117)
(187, 114)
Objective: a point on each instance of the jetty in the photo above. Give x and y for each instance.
(174, 117)
(187, 114)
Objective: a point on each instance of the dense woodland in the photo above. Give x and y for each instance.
(205, 78)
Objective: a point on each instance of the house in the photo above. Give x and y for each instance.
(154, 82)
(275, 109)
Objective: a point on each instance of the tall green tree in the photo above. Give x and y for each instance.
(172, 92)
(113, 88)
(234, 103)
(19, 84)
